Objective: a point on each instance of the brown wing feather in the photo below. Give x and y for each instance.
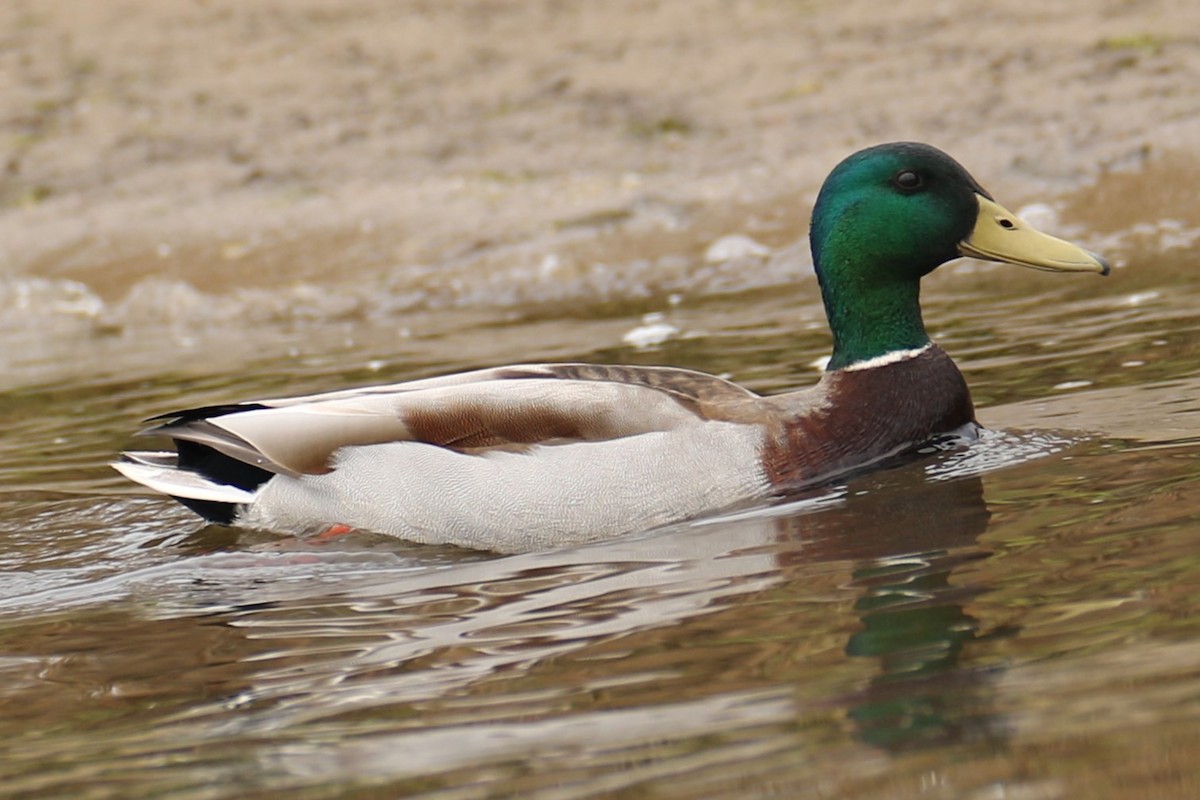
(509, 408)
(476, 427)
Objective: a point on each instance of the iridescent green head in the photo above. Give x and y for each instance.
(891, 214)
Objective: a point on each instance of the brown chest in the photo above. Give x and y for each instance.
(866, 414)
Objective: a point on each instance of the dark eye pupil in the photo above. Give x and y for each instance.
(908, 180)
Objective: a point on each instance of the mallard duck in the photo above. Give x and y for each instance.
(539, 455)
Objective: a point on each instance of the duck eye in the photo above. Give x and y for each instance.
(907, 181)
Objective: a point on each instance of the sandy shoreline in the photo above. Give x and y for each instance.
(232, 144)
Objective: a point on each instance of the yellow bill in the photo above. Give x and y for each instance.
(1001, 235)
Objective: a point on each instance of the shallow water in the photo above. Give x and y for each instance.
(1013, 618)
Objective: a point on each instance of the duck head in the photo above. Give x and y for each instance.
(891, 214)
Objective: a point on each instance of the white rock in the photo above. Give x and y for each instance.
(735, 246)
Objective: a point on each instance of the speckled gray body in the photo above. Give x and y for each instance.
(507, 501)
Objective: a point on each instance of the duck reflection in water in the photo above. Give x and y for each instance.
(909, 539)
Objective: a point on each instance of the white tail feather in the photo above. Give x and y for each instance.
(178, 483)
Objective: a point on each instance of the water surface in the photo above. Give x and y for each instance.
(1012, 618)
